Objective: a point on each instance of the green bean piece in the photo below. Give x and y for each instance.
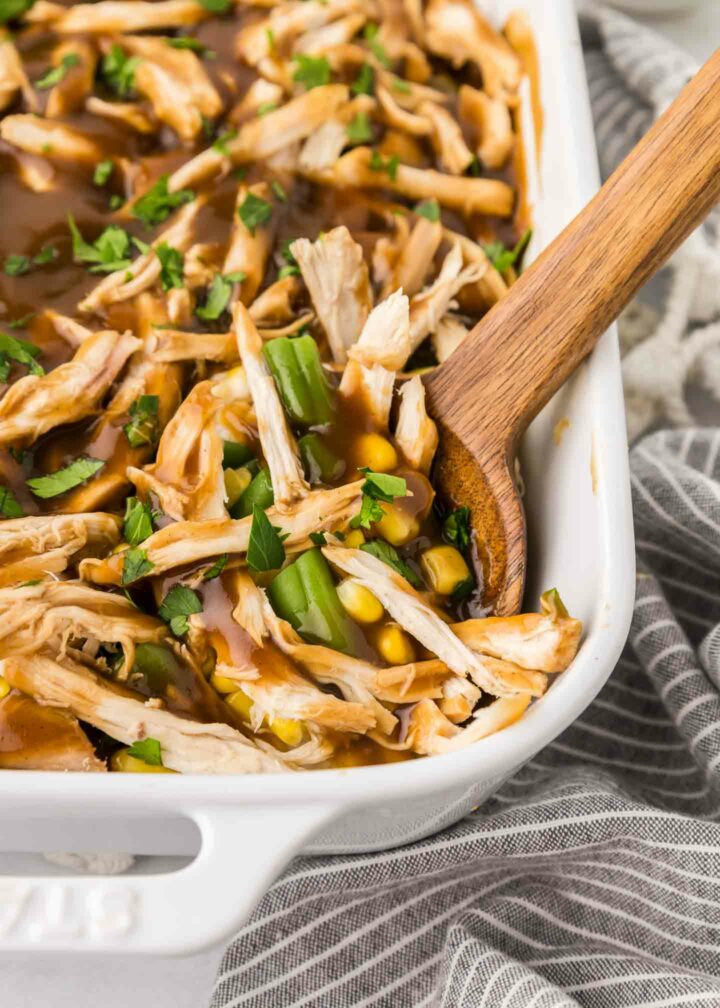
(236, 454)
(304, 594)
(296, 368)
(259, 492)
(158, 666)
(320, 464)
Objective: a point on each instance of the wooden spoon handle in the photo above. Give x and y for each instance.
(530, 342)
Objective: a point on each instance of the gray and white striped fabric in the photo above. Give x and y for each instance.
(593, 877)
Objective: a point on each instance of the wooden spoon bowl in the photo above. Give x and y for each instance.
(528, 345)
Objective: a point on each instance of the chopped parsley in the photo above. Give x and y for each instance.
(109, 252)
(359, 130)
(216, 6)
(21, 323)
(67, 478)
(188, 42)
(144, 425)
(157, 204)
(265, 548)
(279, 191)
(376, 488)
(254, 211)
(318, 538)
(456, 528)
(9, 505)
(179, 603)
(265, 107)
(291, 267)
(381, 164)
(46, 255)
(218, 297)
(463, 590)
(364, 83)
(56, 74)
(376, 47)
(147, 750)
(401, 86)
(503, 258)
(115, 201)
(135, 566)
(312, 71)
(430, 209)
(138, 521)
(221, 143)
(217, 568)
(18, 350)
(103, 171)
(118, 71)
(11, 9)
(19, 265)
(390, 556)
(172, 265)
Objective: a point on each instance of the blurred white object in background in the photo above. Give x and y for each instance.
(656, 6)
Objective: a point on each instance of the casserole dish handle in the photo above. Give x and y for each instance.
(242, 851)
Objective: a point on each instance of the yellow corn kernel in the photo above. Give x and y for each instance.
(122, 762)
(354, 539)
(241, 703)
(444, 568)
(4, 687)
(375, 452)
(222, 684)
(290, 732)
(397, 526)
(236, 483)
(394, 645)
(359, 602)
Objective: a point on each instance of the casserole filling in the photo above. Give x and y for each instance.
(234, 237)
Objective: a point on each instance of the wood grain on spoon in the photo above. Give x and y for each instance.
(530, 343)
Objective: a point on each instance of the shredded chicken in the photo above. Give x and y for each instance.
(37, 403)
(77, 83)
(190, 542)
(415, 259)
(13, 77)
(130, 114)
(490, 117)
(428, 307)
(277, 442)
(36, 737)
(430, 732)
(50, 139)
(415, 434)
(336, 276)
(249, 248)
(42, 545)
(110, 16)
(450, 333)
(187, 746)
(448, 141)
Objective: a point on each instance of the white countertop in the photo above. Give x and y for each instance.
(70, 982)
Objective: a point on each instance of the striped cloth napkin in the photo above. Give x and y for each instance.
(593, 877)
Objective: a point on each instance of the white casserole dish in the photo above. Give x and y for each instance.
(580, 529)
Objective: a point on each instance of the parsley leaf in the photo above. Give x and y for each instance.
(116, 201)
(312, 71)
(456, 528)
(377, 487)
(138, 521)
(21, 351)
(157, 204)
(390, 556)
(254, 211)
(118, 71)
(172, 265)
(21, 323)
(11, 9)
(318, 538)
(179, 603)
(291, 267)
(359, 130)
(217, 568)
(9, 505)
(265, 549)
(216, 6)
(461, 591)
(143, 426)
(187, 42)
(17, 265)
(279, 191)
(429, 209)
(103, 171)
(148, 750)
(401, 86)
(46, 255)
(221, 144)
(65, 479)
(265, 107)
(503, 258)
(135, 565)
(56, 74)
(389, 165)
(108, 253)
(218, 296)
(376, 47)
(364, 83)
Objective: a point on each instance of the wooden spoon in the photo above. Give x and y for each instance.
(529, 344)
